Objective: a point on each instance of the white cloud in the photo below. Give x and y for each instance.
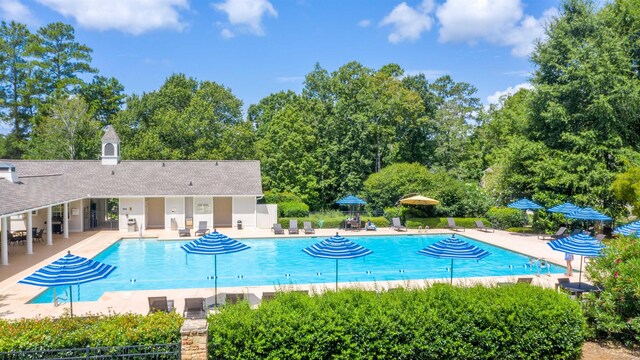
(247, 14)
(131, 16)
(521, 73)
(14, 10)
(495, 98)
(408, 23)
(364, 23)
(227, 34)
(428, 74)
(290, 79)
(500, 22)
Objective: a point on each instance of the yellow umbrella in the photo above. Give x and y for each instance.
(419, 200)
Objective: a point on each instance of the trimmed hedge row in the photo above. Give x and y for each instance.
(441, 223)
(441, 322)
(331, 223)
(68, 332)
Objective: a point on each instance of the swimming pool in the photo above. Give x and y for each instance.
(152, 265)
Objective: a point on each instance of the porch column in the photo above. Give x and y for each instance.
(49, 226)
(5, 241)
(65, 220)
(29, 233)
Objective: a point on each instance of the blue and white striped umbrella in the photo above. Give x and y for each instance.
(69, 270)
(566, 208)
(628, 229)
(588, 213)
(454, 248)
(214, 244)
(579, 244)
(337, 247)
(525, 204)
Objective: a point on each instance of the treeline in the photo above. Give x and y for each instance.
(565, 140)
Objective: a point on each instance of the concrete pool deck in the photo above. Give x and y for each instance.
(14, 297)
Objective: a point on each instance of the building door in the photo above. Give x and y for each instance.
(222, 212)
(154, 213)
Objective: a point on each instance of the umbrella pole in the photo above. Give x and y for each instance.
(215, 281)
(336, 275)
(580, 276)
(451, 271)
(71, 299)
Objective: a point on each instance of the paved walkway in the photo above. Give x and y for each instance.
(14, 297)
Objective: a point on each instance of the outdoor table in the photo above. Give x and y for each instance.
(578, 289)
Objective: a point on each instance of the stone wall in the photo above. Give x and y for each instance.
(194, 339)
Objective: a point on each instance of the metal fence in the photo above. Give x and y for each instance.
(138, 352)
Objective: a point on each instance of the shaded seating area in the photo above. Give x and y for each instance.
(160, 303)
(293, 227)
(16, 237)
(277, 229)
(561, 281)
(397, 225)
(451, 224)
(203, 229)
(557, 235)
(194, 308)
(308, 229)
(480, 226)
(184, 232)
(38, 235)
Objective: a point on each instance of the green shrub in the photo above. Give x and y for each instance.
(391, 212)
(68, 332)
(293, 209)
(332, 222)
(615, 313)
(523, 230)
(442, 322)
(442, 223)
(278, 198)
(502, 218)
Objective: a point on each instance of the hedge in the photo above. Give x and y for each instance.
(441, 322)
(441, 223)
(73, 332)
(332, 223)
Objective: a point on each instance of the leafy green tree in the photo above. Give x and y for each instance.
(69, 132)
(184, 119)
(287, 155)
(105, 97)
(16, 68)
(626, 187)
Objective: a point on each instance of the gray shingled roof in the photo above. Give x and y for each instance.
(110, 135)
(49, 182)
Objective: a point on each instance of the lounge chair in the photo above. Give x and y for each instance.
(371, 227)
(308, 229)
(452, 225)
(575, 232)
(293, 226)
(557, 235)
(203, 229)
(600, 237)
(268, 295)
(526, 280)
(396, 225)
(480, 226)
(277, 229)
(233, 298)
(194, 308)
(184, 232)
(160, 303)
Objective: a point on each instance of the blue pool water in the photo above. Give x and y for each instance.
(153, 265)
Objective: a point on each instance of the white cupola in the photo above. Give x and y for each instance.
(110, 147)
(8, 171)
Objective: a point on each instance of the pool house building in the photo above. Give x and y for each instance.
(63, 196)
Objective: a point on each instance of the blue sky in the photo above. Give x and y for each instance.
(257, 47)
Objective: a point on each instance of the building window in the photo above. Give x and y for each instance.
(109, 150)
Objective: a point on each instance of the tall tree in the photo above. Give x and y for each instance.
(15, 70)
(61, 59)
